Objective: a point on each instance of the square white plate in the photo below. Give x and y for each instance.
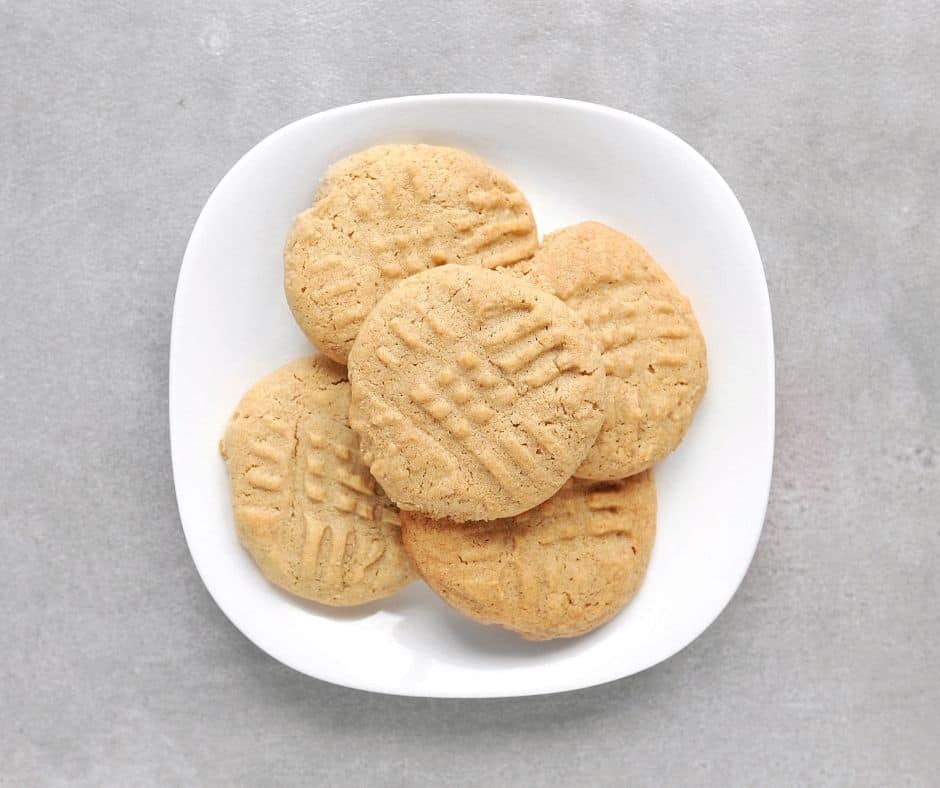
(574, 161)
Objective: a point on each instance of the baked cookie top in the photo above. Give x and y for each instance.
(653, 350)
(559, 570)
(475, 394)
(389, 212)
(305, 506)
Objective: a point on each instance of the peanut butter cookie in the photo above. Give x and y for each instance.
(389, 212)
(305, 506)
(475, 394)
(653, 350)
(559, 570)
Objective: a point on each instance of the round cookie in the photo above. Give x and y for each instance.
(653, 350)
(559, 570)
(386, 213)
(475, 394)
(305, 506)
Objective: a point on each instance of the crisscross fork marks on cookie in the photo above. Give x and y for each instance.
(461, 430)
(319, 554)
(489, 234)
(519, 346)
(528, 352)
(595, 528)
(490, 199)
(615, 336)
(262, 479)
(436, 321)
(332, 552)
(333, 477)
(351, 315)
(269, 457)
(674, 332)
(493, 565)
(619, 365)
(267, 452)
(486, 554)
(407, 433)
(387, 357)
(471, 378)
(669, 360)
(326, 519)
(496, 387)
(462, 416)
(341, 287)
(529, 320)
(518, 585)
(385, 219)
(527, 347)
(541, 436)
(408, 333)
(620, 303)
(333, 548)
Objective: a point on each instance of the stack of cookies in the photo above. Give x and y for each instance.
(485, 412)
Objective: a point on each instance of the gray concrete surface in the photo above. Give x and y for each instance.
(117, 119)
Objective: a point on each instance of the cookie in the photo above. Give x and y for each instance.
(559, 570)
(653, 350)
(475, 394)
(389, 212)
(305, 506)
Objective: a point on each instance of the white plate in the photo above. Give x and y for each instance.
(575, 161)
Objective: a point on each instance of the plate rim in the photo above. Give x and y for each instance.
(764, 307)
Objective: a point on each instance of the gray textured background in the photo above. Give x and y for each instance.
(116, 120)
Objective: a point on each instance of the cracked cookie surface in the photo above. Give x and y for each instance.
(558, 570)
(386, 213)
(475, 394)
(653, 350)
(306, 508)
